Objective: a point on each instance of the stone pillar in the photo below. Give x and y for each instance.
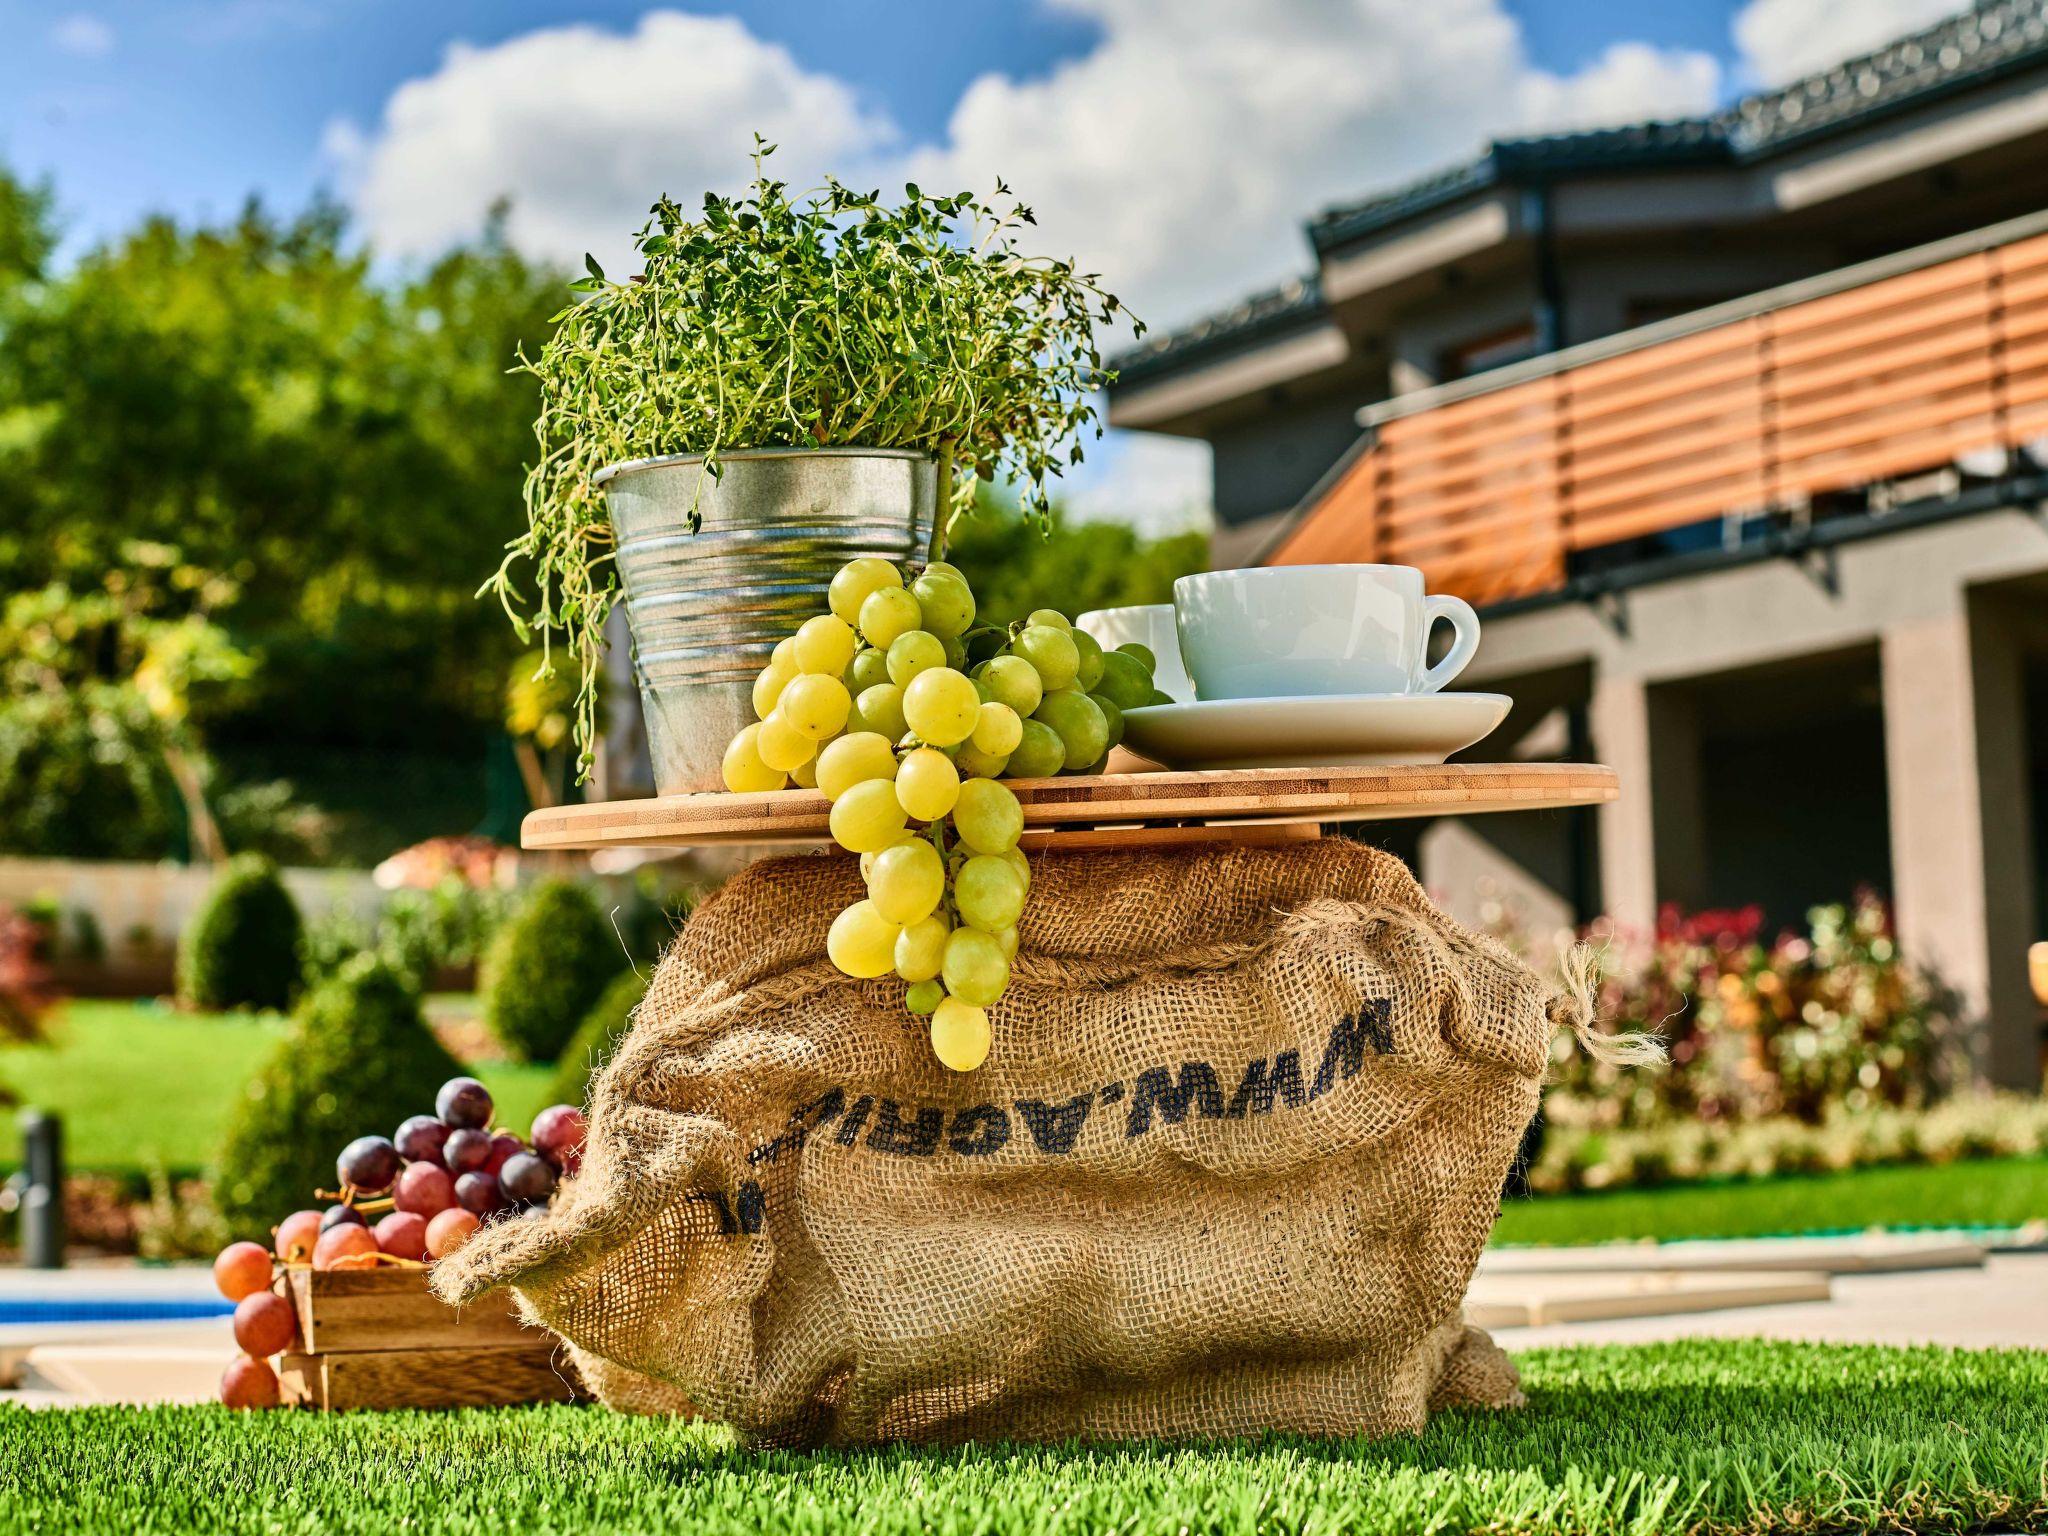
(1619, 716)
(1961, 833)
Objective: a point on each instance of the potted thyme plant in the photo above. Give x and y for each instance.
(791, 382)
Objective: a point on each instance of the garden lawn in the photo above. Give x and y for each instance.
(2001, 1192)
(142, 1085)
(1704, 1436)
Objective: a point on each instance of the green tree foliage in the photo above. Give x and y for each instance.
(357, 1060)
(546, 968)
(343, 445)
(243, 949)
(1074, 567)
(596, 1038)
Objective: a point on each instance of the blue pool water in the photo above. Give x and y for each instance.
(109, 1309)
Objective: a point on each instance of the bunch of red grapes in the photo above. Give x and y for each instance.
(431, 1185)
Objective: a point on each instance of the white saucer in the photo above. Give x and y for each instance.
(1327, 731)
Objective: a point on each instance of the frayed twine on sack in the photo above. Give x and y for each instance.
(1574, 1008)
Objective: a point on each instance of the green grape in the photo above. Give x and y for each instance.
(1008, 939)
(924, 997)
(1111, 714)
(985, 642)
(879, 709)
(781, 745)
(816, 703)
(921, 948)
(927, 784)
(908, 880)
(918, 651)
(947, 602)
(1157, 697)
(867, 860)
(784, 654)
(986, 892)
(1125, 683)
(866, 818)
(805, 774)
(1052, 652)
(824, 644)
(1083, 731)
(997, 730)
(960, 1035)
(975, 970)
(974, 763)
(857, 581)
(853, 759)
(870, 669)
(887, 614)
(941, 706)
(1052, 618)
(768, 687)
(942, 568)
(1095, 769)
(743, 770)
(988, 817)
(1089, 672)
(1039, 755)
(1141, 653)
(1013, 681)
(956, 654)
(1018, 862)
(862, 942)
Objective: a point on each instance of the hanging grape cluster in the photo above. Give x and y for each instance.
(902, 710)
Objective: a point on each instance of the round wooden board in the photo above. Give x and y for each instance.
(1229, 804)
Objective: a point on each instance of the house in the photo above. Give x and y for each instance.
(1735, 429)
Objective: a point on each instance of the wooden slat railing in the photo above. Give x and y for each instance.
(1491, 488)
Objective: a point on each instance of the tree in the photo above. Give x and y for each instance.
(1074, 567)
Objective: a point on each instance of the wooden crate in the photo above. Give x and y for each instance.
(378, 1338)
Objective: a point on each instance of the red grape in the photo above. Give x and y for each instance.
(467, 1151)
(420, 1139)
(242, 1269)
(425, 1189)
(403, 1235)
(558, 1133)
(341, 1216)
(464, 1104)
(479, 1194)
(297, 1234)
(504, 1147)
(369, 1163)
(248, 1383)
(449, 1231)
(264, 1324)
(526, 1177)
(340, 1243)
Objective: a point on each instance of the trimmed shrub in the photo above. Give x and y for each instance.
(596, 1038)
(357, 1060)
(545, 969)
(243, 950)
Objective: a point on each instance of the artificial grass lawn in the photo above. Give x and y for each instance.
(1703, 1436)
(142, 1085)
(2001, 1192)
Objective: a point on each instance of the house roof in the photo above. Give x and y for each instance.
(1994, 38)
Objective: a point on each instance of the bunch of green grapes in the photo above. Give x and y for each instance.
(902, 710)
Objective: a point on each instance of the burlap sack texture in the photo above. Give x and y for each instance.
(1228, 1167)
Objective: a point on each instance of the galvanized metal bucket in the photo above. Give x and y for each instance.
(706, 608)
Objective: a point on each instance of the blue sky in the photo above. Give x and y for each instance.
(1174, 146)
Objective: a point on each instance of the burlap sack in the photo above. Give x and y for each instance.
(1228, 1167)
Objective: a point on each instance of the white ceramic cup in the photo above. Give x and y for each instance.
(1291, 631)
(1152, 626)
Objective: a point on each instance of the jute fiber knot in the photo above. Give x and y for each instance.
(1227, 1169)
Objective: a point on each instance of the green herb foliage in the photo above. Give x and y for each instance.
(827, 319)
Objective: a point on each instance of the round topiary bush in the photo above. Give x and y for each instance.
(244, 948)
(546, 968)
(596, 1038)
(357, 1059)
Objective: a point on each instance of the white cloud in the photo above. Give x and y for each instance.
(1780, 40)
(583, 128)
(85, 37)
(1629, 82)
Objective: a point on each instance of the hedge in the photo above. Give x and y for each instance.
(546, 968)
(244, 948)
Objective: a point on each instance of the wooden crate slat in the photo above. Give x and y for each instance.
(428, 1378)
(374, 1309)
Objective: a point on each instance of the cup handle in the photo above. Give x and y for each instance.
(1465, 622)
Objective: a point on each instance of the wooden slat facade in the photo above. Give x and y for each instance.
(1492, 494)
